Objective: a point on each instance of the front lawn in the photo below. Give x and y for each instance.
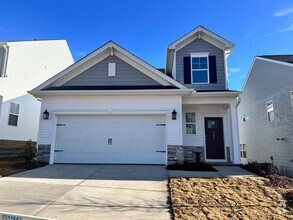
(222, 198)
(12, 166)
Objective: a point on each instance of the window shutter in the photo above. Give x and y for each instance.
(187, 70)
(213, 69)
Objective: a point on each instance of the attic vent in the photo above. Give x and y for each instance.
(3, 60)
(112, 69)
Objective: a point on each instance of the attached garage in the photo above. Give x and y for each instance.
(115, 139)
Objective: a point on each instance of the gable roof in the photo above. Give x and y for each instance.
(268, 58)
(199, 32)
(108, 49)
(283, 58)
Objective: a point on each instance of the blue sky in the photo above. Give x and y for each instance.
(146, 27)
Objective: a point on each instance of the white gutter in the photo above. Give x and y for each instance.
(201, 94)
(110, 92)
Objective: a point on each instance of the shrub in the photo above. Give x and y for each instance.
(29, 152)
(262, 169)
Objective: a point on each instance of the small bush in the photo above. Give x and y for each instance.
(261, 169)
(29, 152)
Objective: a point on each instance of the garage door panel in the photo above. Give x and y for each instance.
(96, 133)
(151, 146)
(135, 139)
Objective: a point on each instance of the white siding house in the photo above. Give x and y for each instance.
(23, 66)
(112, 107)
(266, 112)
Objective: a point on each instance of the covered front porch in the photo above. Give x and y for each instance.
(209, 129)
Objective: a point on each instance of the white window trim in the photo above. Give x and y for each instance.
(208, 68)
(185, 122)
(267, 110)
(10, 113)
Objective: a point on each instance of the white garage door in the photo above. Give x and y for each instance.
(129, 139)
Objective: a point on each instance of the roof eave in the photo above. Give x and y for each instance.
(230, 94)
(110, 92)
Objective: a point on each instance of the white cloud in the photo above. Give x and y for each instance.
(81, 53)
(283, 12)
(241, 77)
(234, 70)
(289, 28)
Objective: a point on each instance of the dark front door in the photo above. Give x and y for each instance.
(214, 138)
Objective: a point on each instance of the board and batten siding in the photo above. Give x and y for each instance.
(202, 111)
(201, 46)
(97, 75)
(268, 81)
(111, 103)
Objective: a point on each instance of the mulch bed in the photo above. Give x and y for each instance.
(226, 198)
(192, 167)
(282, 184)
(12, 166)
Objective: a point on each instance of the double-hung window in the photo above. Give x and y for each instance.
(199, 68)
(13, 114)
(190, 123)
(243, 152)
(270, 110)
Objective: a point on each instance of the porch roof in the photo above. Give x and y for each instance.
(213, 97)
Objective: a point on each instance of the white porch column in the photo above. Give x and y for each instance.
(235, 134)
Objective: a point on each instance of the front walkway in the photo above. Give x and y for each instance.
(88, 192)
(222, 171)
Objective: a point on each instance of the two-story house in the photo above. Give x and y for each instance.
(23, 66)
(112, 107)
(266, 112)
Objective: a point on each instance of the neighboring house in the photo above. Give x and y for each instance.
(23, 66)
(112, 107)
(266, 112)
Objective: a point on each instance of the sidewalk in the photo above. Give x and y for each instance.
(223, 171)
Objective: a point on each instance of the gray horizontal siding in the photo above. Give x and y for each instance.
(201, 46)
(268, 81)
(97, 75)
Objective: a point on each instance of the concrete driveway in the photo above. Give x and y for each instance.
(88, 192)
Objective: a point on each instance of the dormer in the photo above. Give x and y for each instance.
(199, 60)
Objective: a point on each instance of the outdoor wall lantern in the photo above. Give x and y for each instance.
(46, 115)
(174, 115)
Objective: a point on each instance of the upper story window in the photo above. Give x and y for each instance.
(3, 59)
(13, 114)
(199, 68)
(270, 110)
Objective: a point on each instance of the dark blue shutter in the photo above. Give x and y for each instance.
(187, 70)
(213, 69)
